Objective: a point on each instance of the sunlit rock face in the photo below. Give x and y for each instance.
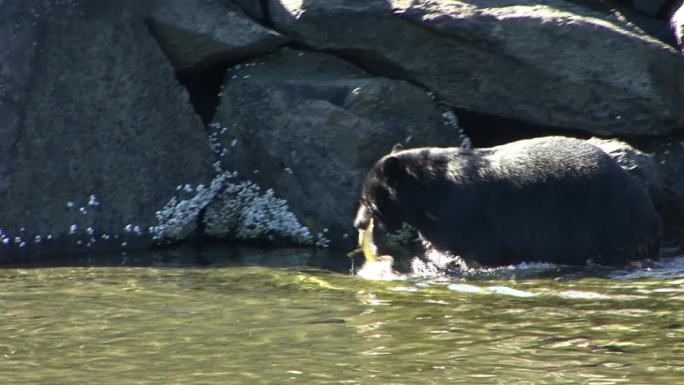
(587, 72)
(308, 125)
(95, 130)
(677, 23)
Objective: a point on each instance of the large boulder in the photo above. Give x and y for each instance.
(310, 125)
(95, 131)
(198, 33)
(588, 73)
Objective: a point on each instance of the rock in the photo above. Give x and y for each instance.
(639, 164)
(630, 19)
(651, 7)
(197, 33)
(252, 8)
(96, 132)
(645, 25)
(482, 56)
(232, 210)
(310, 125)
(242, 211)
(677, 24)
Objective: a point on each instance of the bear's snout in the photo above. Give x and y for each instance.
(363, 217)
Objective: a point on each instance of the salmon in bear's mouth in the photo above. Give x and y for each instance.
(366, 243)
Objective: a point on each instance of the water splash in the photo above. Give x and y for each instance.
(380, 270)
(436, 263)
(663, 268)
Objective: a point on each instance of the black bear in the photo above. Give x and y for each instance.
(550, 199)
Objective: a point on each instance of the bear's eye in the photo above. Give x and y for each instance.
(372, 207)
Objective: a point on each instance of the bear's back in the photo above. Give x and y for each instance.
(552, 199)
(548, 158)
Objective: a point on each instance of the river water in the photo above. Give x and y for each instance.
(283, 317)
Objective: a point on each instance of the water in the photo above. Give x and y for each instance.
(266, 318)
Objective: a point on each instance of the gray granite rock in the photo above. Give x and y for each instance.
(196, 33)
(96, 131)
(552, 63)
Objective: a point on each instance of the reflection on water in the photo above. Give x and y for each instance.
(289, 321)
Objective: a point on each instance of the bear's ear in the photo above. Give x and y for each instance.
(396, 148)
(392, 168)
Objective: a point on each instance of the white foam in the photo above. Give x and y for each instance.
(535, 266)
(407, 289)
(501, 290)
(436, 263)
(465, 288)
(510, 291)
(575, 294)
(380, 270)
(672, 267)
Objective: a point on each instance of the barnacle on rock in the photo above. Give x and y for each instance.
(242, 211)
(178, 218)
(233, 209)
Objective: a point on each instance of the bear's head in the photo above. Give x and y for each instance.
(379, 197)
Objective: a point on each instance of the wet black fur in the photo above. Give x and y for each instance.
(550, 199)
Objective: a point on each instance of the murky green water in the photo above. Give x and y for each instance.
(259, 325)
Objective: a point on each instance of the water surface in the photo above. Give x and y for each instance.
(268, 320)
